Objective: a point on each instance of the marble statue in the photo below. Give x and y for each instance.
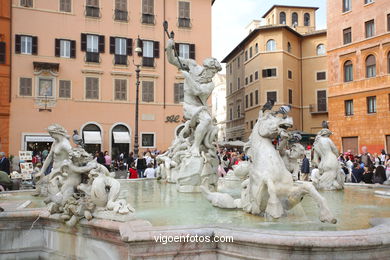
(329, 175)
(192, 155)
(79, 187)
(290, 155)
(269, 190)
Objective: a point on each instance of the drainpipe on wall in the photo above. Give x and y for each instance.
(164, 64)
(10, 56)
(301, 87)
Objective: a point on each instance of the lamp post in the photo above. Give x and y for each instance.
(138, 50)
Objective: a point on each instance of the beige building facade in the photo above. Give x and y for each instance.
(73, 64)
(359, 74)
(285, 61)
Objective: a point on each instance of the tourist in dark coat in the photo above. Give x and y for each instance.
(379, 175)
(305, 169)
(357, 173)
(4, 163)
(100, 159)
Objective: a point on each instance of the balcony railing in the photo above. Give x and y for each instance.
(148, 19)
(147, 62)
(92, 11)
(120, 60)
(318, 109)
(184, 22)
(92, 57)
(121, 15)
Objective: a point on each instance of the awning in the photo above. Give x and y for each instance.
(39, 138)
(121, 137)
(92, 137)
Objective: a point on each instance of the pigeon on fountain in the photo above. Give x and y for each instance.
(268, 106)
(325, 124)
(77, 139)
(284, 110)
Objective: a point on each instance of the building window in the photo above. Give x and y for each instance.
(267, 73)
(289, 47)
(238, 62)
(184, 50)
(45, 87)
(256, 48)
(388, 62)
(148, 11)
(347, 5)
(179, 92)
(370, 66)
(238, 83)
(65, 48)
(26, 3)
(256, 75)
(282, 18)
(231, 114)
(321, 75)
(306, 19)
(26, 45)
(246, 101)
(256, 97)
(66, 6)
(25, 87)
(92, 8)
(246, 55)
(271, 45)
(348, 71)
(388, 22)
(184, 14)
(121, 48)
(321, 49)
(348, 107)
(92, 88)
(64, 89)
(120, 89)
(2, 52)
(368, 1)
(251, 78)
(231, 68)
(147, 91)
(147, 140)
(246, 81)
(251, 99)
(347, 35)
(370, 28)
(121, 10)
(294, 19)
(321, 101)
(272, 95)
(250, 52)
(150, 51)
(290, 96)
(92, 44)
(371, 104)
(238, 111)
(231, 87)
(251, 124)
(289, 74)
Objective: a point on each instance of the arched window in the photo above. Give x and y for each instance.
(256, 48)
(370, 66)
(289, 47)
(120, 142)
(92, 137)
(282, 18)
(271, 45)
(348, 71)
(388, 62)
(306, 19)
(321, 49)
(294, 19)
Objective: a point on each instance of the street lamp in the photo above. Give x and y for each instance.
(138, 50)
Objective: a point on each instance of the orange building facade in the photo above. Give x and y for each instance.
(74, 65)
(5, 72)
(359, 74)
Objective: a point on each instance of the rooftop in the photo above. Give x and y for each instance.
(289, 6)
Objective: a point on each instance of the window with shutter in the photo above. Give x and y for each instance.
(271, 95)
(65, 48)
(347, 35)
(66, 5)
(26, 3)
(2, 52)
(148, 11)
(92, 88)
(147, 91)
(25, 87)
(92, 8)
(92, 48)
(370, 28)
(26, 44)
(120, 89)
(184, 14)
(121, 10)
(64, 89)
(321, 101)
(184, 50)
(148, 52)
(178, 92)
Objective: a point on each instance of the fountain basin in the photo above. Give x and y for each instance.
(362, 232)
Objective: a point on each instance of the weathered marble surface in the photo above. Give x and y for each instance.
(99, 239)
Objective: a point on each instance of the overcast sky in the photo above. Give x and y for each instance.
(231, 16)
